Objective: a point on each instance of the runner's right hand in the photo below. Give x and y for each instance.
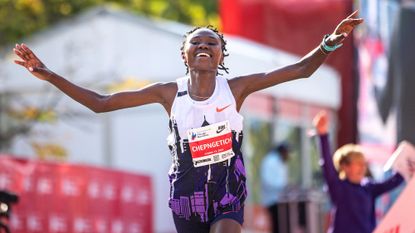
(31, 62)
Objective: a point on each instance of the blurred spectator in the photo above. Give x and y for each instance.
(274, 181)
(351, 192)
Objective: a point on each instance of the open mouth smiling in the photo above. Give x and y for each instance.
(203, 55)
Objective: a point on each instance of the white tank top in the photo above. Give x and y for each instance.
(190, 114)
(207, 176)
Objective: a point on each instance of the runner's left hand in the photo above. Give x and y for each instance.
(344, 29)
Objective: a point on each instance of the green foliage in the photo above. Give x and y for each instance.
(16, 121)
(260, 140)
(21, 18)
(295, 170)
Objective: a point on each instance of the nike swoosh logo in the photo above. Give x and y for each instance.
(221, 109)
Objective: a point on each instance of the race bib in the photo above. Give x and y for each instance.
(210, 144)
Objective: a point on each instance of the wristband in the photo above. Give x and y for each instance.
(327, 47)
(323, 51)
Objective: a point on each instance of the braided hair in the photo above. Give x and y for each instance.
(223, 41)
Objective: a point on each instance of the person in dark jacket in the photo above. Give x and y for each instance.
(351, 192)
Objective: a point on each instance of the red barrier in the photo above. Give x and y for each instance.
(55, 198)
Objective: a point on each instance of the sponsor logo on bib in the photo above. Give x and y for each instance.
(210, 144)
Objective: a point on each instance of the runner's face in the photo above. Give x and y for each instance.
(203, 50)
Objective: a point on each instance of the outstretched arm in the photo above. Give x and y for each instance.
(162, 93)
(320, 122)
(387, 185)
(245, 85)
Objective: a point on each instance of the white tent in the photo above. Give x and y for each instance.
(105, 46)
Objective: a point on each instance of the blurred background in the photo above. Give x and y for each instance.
(76, 171)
